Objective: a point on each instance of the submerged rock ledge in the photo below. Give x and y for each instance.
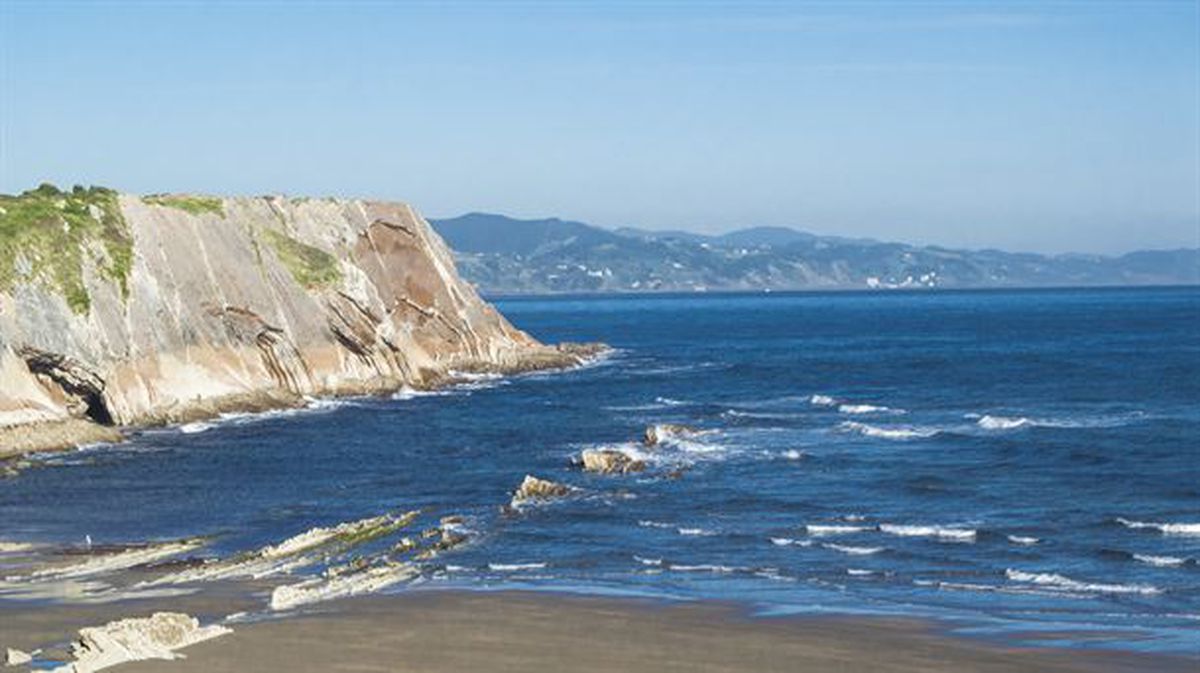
(119, 310)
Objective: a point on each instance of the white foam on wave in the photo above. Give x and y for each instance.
(511, 567)
(822, 401)
(1023, 540)
(789, 542)
(1160, 561)
(696, 532)
(852, 550)
(821, 530)
(1184, 529)
(648, 561)
(859, 572)
(704, 567)
(409, 393)
(1003, 422)
(867, 409)
(646, 523)
(792, 454)
(197, 427)
(670, 402)
(896, 432)
(946, 533)
(1055, 581)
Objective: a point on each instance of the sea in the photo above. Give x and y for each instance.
(1023, 464)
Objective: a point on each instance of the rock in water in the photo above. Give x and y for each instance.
(534, 489)
(128, 310)
(608, 461)
(15, 657)
(155, 637)
(657, 434)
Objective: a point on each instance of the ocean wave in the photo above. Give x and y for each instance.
(898, 432)
(859, 572)
(1003, 422)
(822, 401)
(646, 523)
(696, 532)
(510, 567)
(853, 551)
(820, 530)
(947, 533)
(409, 393)
(758, 415)
(792, 454)
(705, 567)
(867, 409)
(1184, 529)
(648, 561)
(196, 427)
(1160, 561)
(1023, 540)
(789, 542)
(1055, 581)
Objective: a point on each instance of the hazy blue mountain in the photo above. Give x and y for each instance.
(511, 256)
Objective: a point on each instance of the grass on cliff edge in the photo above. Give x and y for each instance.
(311, 267)
(45, 232)
(195, 205)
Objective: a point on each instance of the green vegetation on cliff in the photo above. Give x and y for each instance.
(45, 233)
(311, 267)
(190, 204)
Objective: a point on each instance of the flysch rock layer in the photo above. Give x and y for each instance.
(247, 306)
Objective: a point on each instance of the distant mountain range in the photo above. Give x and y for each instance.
(503, 255)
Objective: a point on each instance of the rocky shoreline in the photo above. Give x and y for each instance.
(18, 441)
(120, 311)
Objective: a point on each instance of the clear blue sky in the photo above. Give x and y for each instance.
(1030, 126)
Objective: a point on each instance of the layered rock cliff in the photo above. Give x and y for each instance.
(118, 309)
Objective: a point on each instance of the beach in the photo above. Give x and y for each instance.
(433, 631)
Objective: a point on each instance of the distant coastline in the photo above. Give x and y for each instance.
(506, 256)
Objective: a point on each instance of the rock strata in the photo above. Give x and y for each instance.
(119, 310)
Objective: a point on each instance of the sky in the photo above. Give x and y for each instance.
(1047, 127)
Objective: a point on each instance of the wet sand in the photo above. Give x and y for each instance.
(434, 631)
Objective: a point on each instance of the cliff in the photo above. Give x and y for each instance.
(121, 310)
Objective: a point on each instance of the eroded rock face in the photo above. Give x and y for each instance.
(158, 636)
(533, 489)
(235, 303)
(609, 461)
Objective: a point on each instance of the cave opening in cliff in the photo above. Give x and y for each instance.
(73, 379)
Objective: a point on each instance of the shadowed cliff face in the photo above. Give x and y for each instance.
(234, 303)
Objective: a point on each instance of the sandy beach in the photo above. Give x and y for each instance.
(522, 631)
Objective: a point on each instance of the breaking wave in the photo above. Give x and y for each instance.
(512, 567)
(853, 551)
(947, 533)
(867, 409)
(1160, 561)
(1003, 422)
(822, 401)
(1055, 581)
(897, 433)
(1185, 529)
(818, 530)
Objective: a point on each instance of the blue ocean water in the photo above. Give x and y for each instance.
(1017, 461)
